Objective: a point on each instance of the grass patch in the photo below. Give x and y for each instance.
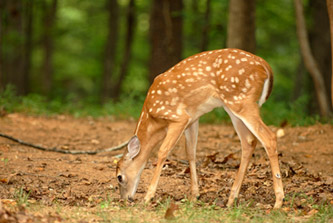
(21, 197)
(187, 212)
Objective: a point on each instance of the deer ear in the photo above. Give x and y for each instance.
(133, 147)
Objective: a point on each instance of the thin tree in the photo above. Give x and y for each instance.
(241, 25)
(319, 36)
(2, 11)
(29, 5)
(206, 27)
(166, 33)
(12, 39)
(330, 13)
(110, 49)
(309, 60)
(49, 20)
(130, 20)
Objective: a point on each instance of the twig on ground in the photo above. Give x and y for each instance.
(115, 148)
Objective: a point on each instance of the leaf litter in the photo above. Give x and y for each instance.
(51, 179)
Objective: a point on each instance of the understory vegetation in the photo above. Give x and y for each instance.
(273, 113)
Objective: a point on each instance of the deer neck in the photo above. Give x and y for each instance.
(149, 132)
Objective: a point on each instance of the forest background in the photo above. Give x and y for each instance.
(98, 58)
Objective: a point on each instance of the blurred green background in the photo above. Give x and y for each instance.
(69, 56)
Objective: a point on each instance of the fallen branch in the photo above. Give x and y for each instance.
(75, 152)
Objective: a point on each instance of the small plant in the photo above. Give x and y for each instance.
(21, 197)
(106, 202)
(4, 160)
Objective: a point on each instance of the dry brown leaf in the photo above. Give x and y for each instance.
(169, 214)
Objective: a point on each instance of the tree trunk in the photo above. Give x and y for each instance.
(319, 36)
(27, 45)
(128, 47)
(15, 44)
(110, 49)
(195, 25)
(48, 46)
(330, 13)
(241, 25)
(2, 11)
(309, 61)
(166, 28)
(12, 45)
(206, 27)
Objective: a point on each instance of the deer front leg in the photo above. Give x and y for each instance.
(191, 136)
(175, 130)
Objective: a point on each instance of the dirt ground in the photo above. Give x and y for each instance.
(306, 159)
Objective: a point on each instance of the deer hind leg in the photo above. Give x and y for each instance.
(191, 136)
(251, 118)
(248, 143)
(175, 130)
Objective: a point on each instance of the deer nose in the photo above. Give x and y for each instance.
(130, 199)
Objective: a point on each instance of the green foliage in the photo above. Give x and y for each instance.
(273, 113)
(80, 38)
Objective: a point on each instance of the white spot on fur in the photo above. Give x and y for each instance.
(228, 68)
(247, 83)
(189, 80)
(241, 71)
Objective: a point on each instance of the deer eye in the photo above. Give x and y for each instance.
(120, 178)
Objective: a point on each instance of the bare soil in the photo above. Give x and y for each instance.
(306, 161)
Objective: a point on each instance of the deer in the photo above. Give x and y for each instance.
(234, 79)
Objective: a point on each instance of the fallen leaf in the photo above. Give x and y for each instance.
(311, 212)
(169, 214)
(4, 180)
(95, 141)
(280, 133)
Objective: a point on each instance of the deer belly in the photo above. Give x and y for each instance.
(206, 106)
